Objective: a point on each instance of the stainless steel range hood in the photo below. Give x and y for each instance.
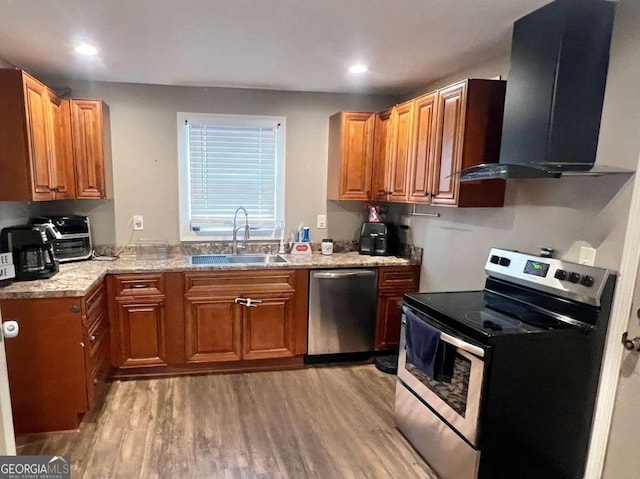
(555, 92)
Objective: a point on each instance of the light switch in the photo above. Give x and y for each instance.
(321, 222)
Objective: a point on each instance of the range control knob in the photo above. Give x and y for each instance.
(560, 274)
(494, 259)
(587, 281)
(574, 277)
(505, 261)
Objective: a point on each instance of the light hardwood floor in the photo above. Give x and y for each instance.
(322, 422)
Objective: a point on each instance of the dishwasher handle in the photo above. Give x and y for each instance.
(343, 274)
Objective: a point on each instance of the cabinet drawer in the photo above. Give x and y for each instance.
(401, 278)
(94, 305)
(97, 335)
(132, 285)
(239, 282)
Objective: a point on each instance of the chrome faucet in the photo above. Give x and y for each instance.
(234, 244)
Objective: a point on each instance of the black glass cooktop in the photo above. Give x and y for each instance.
(484, 312)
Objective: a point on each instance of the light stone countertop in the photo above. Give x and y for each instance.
(76, 279)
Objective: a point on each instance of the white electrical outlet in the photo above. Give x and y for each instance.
(587, 256)
(321, 222)
(138, 223)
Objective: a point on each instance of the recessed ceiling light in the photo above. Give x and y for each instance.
(359, 68)
(86, 49)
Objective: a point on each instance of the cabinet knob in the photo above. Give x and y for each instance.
(75, 308)
(95, 381)
(93, 338)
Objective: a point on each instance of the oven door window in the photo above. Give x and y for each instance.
(454, 393)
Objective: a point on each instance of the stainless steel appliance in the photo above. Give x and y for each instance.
(525, 354)
(32, 252)
(342, 311)
(70, 235)
(378, 239)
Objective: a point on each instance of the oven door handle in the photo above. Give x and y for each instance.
(460, 344)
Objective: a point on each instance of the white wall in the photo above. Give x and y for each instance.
(144, 130)
(562, 214)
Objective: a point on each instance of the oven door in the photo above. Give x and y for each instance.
(457, 402)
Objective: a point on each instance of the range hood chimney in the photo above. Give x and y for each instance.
(555, 92)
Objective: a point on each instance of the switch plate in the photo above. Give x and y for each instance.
(321, 222)
(138, 223)
(587, 256)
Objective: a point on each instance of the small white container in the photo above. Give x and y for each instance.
(327, 246)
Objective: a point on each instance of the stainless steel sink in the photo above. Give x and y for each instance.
(207, 259)
(256, 258)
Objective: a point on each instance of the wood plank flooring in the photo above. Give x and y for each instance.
(321, 422)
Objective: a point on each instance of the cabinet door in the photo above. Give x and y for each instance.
(45, 363)
(393, 283)
(449, 139)
(212, 329)
(388, 321)
(267, 328)
(36, 105)
(401, 119)
(380, 180)
(357, 155)
(422, 149)
(141, 333)
(62, 174)
(88, 148)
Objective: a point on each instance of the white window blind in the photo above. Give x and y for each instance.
(233, 161)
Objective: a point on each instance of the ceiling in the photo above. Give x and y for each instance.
(304, 45)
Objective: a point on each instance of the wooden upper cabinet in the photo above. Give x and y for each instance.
(87, 127)
(468, 133)
(350, 155)
(449, 143)
(51, 148)
(62, 174)
(400, 148)
(422, 148)
(380, 175)
(36, 99)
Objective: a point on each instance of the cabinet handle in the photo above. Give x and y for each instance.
(93, 338)
(253, 302)
(242, 301)
(427, 194)
(138, 286)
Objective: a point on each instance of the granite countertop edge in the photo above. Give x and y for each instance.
(77, 279)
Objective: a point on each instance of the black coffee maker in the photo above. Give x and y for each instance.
(32, 252)
(379, 239)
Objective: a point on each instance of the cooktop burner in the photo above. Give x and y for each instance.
(487, 313)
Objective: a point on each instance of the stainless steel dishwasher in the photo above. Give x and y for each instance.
(342, 310)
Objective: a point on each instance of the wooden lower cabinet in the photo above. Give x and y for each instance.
(393, 283)
(138, 326)
(141, 332)
(213, 328)
(245, 315)
(267, 329)
(59, 363)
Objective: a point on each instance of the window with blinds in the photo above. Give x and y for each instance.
(228, 161)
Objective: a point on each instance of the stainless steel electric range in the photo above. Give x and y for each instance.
(513, 388)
